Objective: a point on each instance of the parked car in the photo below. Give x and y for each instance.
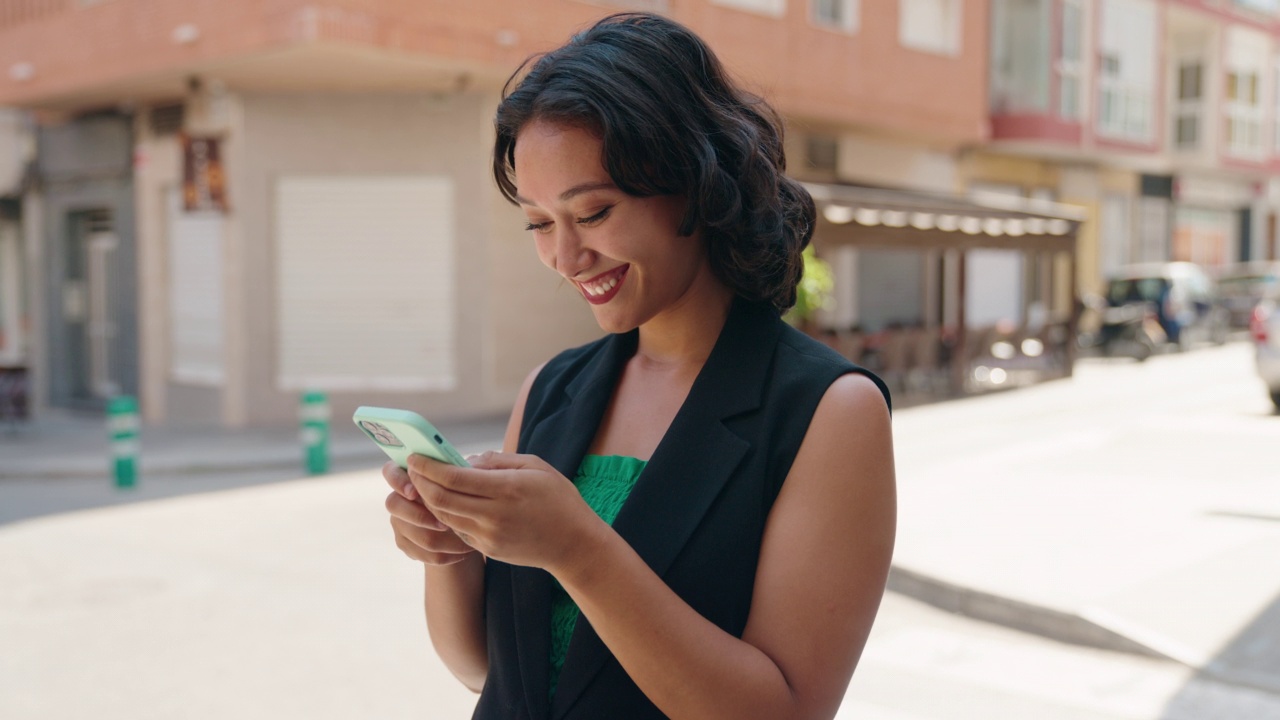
(1241, 287)
(1265, 329)
(1182, 296)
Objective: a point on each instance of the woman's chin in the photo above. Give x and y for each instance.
(612, 321)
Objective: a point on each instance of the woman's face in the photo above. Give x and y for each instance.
(622, 253)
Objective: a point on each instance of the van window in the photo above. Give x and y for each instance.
(1122, 292)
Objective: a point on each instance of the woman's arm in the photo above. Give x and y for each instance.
(823, 566)
(453, 593)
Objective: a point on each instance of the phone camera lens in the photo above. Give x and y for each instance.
(439, 440)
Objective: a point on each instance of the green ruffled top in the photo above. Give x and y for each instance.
(605, 482)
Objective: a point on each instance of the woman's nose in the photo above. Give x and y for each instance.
(571, 256)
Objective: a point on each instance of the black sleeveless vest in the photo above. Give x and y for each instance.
(696, 515)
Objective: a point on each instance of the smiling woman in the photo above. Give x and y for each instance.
(694, 516)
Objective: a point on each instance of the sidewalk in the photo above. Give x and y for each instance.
(1134, 508)
(1152, 528)
(74, 445)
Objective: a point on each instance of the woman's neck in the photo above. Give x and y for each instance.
(683, 334)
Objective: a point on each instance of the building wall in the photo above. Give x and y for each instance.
(882, 161)
(164, 397)
(401, 87)
(503, 297)
(137, 48)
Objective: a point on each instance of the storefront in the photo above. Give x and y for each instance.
(914, 277)
(1212, 220)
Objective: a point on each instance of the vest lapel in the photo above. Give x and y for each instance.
(561, 438)
(690, 466)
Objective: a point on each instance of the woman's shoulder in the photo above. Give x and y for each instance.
(802, 359)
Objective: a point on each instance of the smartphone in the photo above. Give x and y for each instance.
(401, 433)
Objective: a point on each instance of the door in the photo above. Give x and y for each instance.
(88, 287)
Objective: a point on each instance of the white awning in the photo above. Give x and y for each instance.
(851, 214)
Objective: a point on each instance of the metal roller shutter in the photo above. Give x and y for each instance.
(365, 281)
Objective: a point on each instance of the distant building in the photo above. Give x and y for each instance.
(1160, 117)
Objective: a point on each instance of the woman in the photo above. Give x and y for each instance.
(723, 546)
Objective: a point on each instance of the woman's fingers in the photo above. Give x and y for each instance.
(437, 541)
(413, 512)
(422, 555)
(450, 506)
(398, 478)
(467, 480)
(429, 546)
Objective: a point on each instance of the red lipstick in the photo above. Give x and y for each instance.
(605, 285)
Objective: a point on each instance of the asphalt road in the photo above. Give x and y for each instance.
(266, 595)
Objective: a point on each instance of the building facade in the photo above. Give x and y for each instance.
(1159, 117)
(235, 202)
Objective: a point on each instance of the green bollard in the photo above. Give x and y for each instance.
(123, 427)
(313, 415)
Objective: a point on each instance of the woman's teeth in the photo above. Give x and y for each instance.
(601, 288)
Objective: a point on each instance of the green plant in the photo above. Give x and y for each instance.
(814, 291)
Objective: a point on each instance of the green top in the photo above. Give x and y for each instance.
(605, 482)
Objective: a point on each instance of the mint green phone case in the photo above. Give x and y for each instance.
(401, 433)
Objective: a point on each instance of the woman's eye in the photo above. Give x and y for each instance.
(595, 218)
(542, 227)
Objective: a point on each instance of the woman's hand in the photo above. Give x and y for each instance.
(418, 533)
(513, 508)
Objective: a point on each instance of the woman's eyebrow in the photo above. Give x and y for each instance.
(574, 191)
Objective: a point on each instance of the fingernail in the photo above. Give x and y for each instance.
(410, 492)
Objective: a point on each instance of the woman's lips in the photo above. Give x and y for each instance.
(601, 288)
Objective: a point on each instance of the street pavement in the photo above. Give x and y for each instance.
(1117, 535)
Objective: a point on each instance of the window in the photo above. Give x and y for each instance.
(1115, 226)
(930, 25)
(776, 8)
(1189, 105)
(1189, 80)
(1275, 115)
(1070, 60)
(1244, 114)
(1127, 72)
(1021, 61)
(835, 14)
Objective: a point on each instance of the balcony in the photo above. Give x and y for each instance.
(1037, 72)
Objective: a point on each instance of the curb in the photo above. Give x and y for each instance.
(98, 469)
(1035, 619)
(81, 471)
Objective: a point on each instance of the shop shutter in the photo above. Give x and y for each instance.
(195, 295)
(365, 283)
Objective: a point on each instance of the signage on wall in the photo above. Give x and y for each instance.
(204, 185)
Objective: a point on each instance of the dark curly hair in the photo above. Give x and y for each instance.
(672, 122)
